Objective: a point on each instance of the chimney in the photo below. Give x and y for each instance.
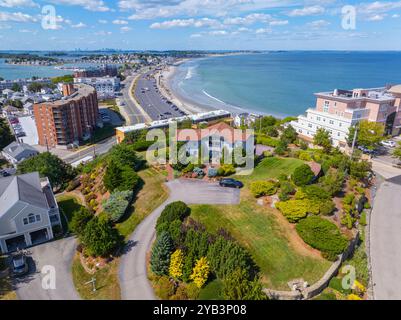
(68, 89)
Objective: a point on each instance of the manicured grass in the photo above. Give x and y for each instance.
(103, 133)
(272, 168)
(69, 204)
(151, 195)
(107, 286)
(212, 291)
(262, 233)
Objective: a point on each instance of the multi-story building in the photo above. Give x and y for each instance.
(69, 120)
(28, 211)
(106, 87)
(338, 110)
(103, 70)
(9, 84)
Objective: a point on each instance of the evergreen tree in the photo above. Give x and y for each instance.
(176, 264)
(236, 286)
(99, 237)
(113, 176)
(80, 219)
(200, 272)
(160, 258)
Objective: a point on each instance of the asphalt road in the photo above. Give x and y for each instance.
(152, 101)
(99, 149)
(134, 282)
(385, 240)
(131, 111)
(58, 254)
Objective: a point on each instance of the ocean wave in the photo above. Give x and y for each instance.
(190, 73)
(212, 97)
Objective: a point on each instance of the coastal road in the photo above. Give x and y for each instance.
(134, 282)
(385, 239)
(130, 109)
(152, 101)
(58, 254)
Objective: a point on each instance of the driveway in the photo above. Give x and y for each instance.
(58, 254)
(134, 282)
(385, 239)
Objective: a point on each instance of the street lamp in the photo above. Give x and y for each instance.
(93, 140)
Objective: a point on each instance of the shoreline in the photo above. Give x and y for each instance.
(166, 87)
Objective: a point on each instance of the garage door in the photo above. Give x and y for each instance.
(13, 244)
(39, 236)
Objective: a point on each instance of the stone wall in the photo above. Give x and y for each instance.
(319, 286)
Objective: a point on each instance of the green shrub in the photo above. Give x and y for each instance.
(293, 210)
(267, 141)
(174, 211)
(80, 219)
(160, 257)
(263, 188)
(305, 156)
(226, 170)
(362, 218)
(315, 192)
(164, 288)
(189, 168)
(302, 175)
(323, 235)
(172, 228)
(117, 204)
(283, 196)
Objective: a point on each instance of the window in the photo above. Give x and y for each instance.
(31, 218)
(309, 125)
(25, 221)
(331, 122)
(326, 106)
(318, 118)
(37, 218)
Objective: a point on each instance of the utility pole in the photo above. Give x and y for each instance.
(354, 140)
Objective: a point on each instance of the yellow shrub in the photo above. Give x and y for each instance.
(176, 264)
(200, 273)
(353, 297)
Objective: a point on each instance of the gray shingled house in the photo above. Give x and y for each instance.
(28, 211)
(16, 152)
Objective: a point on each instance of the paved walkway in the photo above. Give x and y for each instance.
(385, 240)
(58, 254)
(134, 282)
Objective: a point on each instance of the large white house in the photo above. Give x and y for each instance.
(28, 211)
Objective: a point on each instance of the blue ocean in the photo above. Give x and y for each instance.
(281, 83)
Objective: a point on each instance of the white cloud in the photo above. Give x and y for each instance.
(185, 23)
(395, 16)
(103, 33)
(145, 9)
(379, 6)
(125, 29)
(16, 17)
(102, 21)
(279, 22)
(307, 11)
(263, 31)
(218, 33)
(195, 35)
(249, 19)
(79, 25)
(317, 24)
(17, 3)
(118, 21)
(91, 5)
(376, 17)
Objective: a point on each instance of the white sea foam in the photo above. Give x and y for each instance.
(190, 73)
(214, 98)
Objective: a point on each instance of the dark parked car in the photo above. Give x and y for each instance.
(20, 265)
(231, 183)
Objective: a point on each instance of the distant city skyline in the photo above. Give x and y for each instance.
(200, 25)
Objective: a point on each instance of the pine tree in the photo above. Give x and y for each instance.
(160, 259)
(236, 286)
(200, 272)
(176, 264)
(113, 176)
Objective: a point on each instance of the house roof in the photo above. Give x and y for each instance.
(221, 129)
(26, 188)
(315, 167)
(395, 89)
(20, 151)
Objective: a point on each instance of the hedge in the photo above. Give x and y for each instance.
(263, 188)
(302, 175)
(293, 210)
(323, 235)
(174, 211)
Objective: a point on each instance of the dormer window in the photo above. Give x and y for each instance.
(31, 219)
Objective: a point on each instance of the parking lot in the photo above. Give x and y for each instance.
(152, 101)
(25, 129)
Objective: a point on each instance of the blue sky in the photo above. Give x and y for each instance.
(200, 24)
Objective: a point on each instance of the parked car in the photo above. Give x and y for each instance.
(389, 144)
(20, 265)
(367, 151)
(231, 183)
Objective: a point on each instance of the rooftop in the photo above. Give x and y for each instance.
(378, 94)
(82, 90)
(16, 149)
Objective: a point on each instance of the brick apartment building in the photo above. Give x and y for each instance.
(69, 120)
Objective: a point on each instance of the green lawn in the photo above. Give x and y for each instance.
(262, 233)
(103, 133)
(212, 291)
(150, 196)
(272, 168)
(69, 204)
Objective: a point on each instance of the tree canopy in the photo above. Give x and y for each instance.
(370, 134)
(48, 165)
(322, 139)
(6, 136)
